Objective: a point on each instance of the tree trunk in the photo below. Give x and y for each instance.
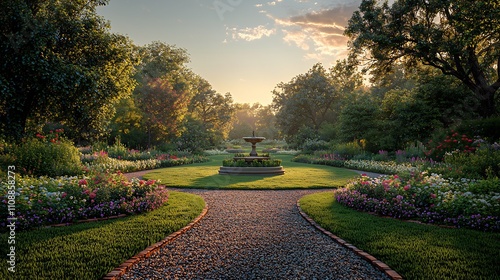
(486, 96)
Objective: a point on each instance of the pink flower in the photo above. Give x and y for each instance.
(92, 195)
(433, 195)
(407, 187)
(64, 195)
(82, 182)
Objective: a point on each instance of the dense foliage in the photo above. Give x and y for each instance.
(457, 37)
(60, 63)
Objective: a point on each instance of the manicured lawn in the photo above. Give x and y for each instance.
(416, 251)
(297, 175)
(91, 250)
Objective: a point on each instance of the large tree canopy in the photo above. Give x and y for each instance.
(59, 62)
(164, 90)
(213, 109)
(306, 100)
(459, 37)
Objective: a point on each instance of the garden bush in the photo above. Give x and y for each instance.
(415, 150)
(118, 150)
(483, 163)
(311, 145)
(348, 150)
(50, 155)
(487, 128)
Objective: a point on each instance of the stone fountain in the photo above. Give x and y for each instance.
(247, 164)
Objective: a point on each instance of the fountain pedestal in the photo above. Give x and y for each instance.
(254, 140)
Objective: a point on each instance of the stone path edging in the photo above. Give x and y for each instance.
(375, 262)
(122, 269)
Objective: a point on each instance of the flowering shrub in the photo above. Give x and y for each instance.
(48, 155)
(428, 198)
(45, 201)
(453, 142)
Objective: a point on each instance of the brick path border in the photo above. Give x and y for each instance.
(124, 267)
(374, 261)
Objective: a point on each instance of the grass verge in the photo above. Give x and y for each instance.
(416, 251)
(91, 250)
(297, 175)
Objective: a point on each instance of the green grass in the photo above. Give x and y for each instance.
(297, 175)
(91, 250)
(416, 251)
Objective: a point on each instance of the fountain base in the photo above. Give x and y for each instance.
(267, 171)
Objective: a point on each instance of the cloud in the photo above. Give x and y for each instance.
(320, 33)
(250, 33)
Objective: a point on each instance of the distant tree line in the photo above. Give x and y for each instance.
(433, 65)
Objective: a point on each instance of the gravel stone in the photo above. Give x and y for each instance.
(253, 235)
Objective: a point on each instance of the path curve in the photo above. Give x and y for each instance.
(249, 234)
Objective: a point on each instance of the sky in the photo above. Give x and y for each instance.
(242, 47)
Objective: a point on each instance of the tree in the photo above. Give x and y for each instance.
(459, 37)
(159, 60)
(163, 110)
(358, 119)
(213, 109)
(127, 124)
(266, 122)
(314, 99)
(60, 63)
(304, 101)
(163, 93)
(255, 117)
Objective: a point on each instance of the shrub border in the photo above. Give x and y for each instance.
(371, 259)
(127, 265)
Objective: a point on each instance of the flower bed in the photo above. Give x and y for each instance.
(101, 162)
(427, 198)
(47, 201)
(386, 167)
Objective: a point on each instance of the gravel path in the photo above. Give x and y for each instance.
(253, 235)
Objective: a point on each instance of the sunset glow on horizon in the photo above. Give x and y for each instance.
(242, 47)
